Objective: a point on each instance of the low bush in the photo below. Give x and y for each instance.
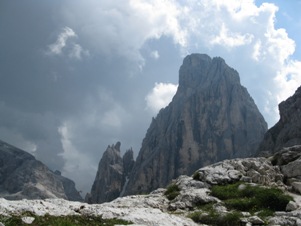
(75, 220)
(216, 219)
(196, 176)
(251, 198)
(241, 204)
(229, 191)
(172, 191)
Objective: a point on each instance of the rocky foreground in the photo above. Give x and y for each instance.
(191, 196)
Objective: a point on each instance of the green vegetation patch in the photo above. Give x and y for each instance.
(172, 191)
(70, 220)
(216, 219)
(251, 198)
(196, 175)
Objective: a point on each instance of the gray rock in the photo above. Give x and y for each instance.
(108, 181)
(292, 169)
(291, 206)
(211, 118)
(287, 131)
(112, 175)
(258, 170)
(255, 220)
(287, 155)
(296, 186)
(22, 176)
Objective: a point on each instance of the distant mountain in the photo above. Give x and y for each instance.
(22, 176)
(112, 174)
(211, 117)
(287, 131)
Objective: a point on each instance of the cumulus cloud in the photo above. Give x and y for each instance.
(160, 96)
(228, 39)
(121, 28)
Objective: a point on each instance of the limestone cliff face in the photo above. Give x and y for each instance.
(211, 118)
(112, 175)
(22, 176)
(287, 131)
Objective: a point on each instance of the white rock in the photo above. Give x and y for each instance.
(255, 220)
(297, 186)
(28, 220)
(291, 206)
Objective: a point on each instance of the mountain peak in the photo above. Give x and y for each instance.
(199, 71)
(211, 118)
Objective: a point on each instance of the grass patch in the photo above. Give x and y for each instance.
(216, 219)
(71, 220)
(172, 191)
(196, 176)
(251, 198)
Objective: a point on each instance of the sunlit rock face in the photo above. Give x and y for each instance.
(287, 131)
(211, 117)
(24, 177)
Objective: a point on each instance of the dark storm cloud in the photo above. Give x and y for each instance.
(99, 95)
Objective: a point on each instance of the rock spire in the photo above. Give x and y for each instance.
(211, 117)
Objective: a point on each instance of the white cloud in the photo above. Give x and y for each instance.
(160, 96)
(155, 54)
(229, 39)
(77, 52)
(288, 80)
(57, 47)
(77, 163)
(121, 28)
(74, 51)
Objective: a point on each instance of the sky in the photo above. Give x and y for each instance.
(77, 76)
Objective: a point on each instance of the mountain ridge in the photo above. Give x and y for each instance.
(22, 176)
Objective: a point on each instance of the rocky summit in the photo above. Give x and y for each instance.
(24, 177)
(287, 131)
(112, 175)
(211, 117)
(236, 192)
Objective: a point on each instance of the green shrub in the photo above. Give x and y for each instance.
(231, 219)
(273, 199)
(224, 192)
(216, 219)
(172, 191)
(196, 176)
(75, 220)
(241, 204)
(251, 198)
